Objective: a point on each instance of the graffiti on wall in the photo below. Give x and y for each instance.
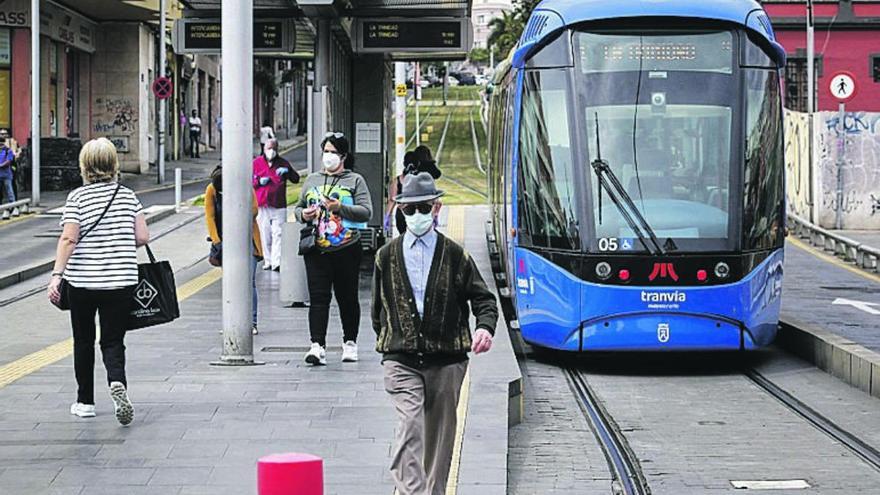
(115, 115)
(857, 138)
(797, 163)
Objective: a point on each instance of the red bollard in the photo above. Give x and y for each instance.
(290, 474)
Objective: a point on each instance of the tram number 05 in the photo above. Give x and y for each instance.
(608, 244)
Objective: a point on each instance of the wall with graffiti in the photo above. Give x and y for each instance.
(858, 139)
(797, 163)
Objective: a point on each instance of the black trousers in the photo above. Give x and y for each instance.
(340, 272)
(194, 144)
(112, 307)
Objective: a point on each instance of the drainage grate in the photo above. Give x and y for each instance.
(770, 484)
(281, 348)
(81, 441)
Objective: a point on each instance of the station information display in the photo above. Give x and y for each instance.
(413, 35)
(204, 36)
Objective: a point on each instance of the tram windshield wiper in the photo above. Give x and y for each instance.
(609, 182)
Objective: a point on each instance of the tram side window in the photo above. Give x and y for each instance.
(547, 204)
(763, 222)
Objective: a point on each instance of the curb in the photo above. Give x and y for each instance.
(852, 363)
(40, 268)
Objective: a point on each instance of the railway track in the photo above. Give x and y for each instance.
(857, 446)
(626, 472)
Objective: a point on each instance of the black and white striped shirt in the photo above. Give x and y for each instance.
(107, 257)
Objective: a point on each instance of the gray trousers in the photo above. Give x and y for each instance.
(426, 401)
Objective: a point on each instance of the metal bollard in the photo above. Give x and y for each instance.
(178, 189)
(293, 290)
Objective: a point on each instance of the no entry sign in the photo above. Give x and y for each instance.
(163, 88)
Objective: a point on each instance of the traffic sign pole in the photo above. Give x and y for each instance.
(843, 88)
(162, 102)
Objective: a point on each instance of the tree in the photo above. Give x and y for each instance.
(479, 55)
(507, 29)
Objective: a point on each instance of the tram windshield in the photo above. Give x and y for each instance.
(660, 108)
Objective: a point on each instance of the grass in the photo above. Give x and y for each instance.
(462, 180)
(293, 191)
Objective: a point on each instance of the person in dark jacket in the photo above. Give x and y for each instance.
(423, 283)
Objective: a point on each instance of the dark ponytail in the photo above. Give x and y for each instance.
(342, 146)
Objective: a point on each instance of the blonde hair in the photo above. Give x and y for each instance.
(98, 161)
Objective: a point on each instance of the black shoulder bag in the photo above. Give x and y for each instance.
(155, 296)
(64, 287)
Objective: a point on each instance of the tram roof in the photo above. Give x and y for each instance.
(550, 16)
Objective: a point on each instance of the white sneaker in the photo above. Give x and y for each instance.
(124, 409)
(15, 212)
(254, 330)
(349, 352)
(82, 410)
(316, 355)
(266, 266)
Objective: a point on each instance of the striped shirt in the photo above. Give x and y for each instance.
(107, 257)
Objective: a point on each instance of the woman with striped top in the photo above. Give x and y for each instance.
(97, 256)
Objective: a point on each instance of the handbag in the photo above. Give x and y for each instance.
(64, 286)
(307, 237)
(155, 296)
(215, 256)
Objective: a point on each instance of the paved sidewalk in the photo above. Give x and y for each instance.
(200, 429)
(191, 169)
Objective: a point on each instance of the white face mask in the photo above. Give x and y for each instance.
(270, 155)
(419, 223)
(331, 161)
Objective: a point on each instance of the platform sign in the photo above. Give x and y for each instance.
(411, 35)
(204, 36)
(843, 86)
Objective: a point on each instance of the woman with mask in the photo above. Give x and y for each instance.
(337, 201)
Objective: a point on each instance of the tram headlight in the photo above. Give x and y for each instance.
(603, 270)
(722, 270)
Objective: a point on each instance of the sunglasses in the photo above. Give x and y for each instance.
(336, 135)
(411, 208)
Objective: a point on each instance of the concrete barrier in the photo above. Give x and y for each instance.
(293, 289)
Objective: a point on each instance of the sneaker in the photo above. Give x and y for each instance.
(82, 410)
(267, 266)
(276, 268)
(349, 352)
(254, 330)
(316, 355)
(124, 409)
(15, 212)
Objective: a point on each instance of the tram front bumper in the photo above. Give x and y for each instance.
(659, 331)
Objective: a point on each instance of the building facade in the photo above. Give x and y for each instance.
(847, 37)
(483, 13)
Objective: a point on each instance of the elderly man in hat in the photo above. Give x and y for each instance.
(422, 285)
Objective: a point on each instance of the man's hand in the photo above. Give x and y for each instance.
(482, 341)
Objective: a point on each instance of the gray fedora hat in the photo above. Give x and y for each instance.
(418, 188)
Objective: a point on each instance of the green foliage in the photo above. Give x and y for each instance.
(507, 29)
(479, 55)
(265, 79)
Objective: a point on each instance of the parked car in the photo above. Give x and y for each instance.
(466, 79)
(424, 83)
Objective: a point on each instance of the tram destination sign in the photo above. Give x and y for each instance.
(204, 36)
(426, 35)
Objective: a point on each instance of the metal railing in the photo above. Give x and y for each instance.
(851, 251)
(23, 205)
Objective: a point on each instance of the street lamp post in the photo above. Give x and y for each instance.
(811, 107)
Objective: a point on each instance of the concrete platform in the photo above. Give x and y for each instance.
(200, 429)
(830, 315)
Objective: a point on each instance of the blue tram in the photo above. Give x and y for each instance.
(636, 176)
